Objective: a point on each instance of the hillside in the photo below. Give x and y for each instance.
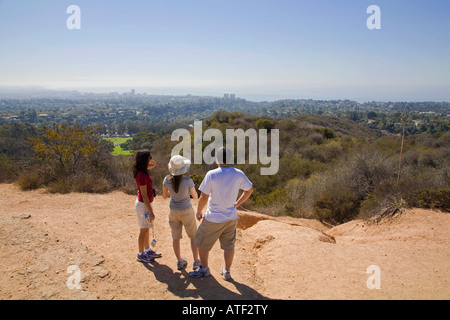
(43, 234)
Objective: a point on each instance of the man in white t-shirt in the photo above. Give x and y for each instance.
(219, 191)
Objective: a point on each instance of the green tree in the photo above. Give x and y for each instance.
(265, 124)
(141, 140)
(371, 115)
(66, 145)
(327, 133)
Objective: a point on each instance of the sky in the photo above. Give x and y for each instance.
(257, 49)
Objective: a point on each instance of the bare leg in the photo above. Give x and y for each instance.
(147, 240)
(228, 255)
(204, 255)
(177, 249)
(194, 250)
(143, 239)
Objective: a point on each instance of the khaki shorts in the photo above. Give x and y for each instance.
(180, 218)
(141, 211)
(208, 233)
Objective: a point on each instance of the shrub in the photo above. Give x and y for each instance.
(276, 196)
(34, 177)
(289, 210)
(432, 198)
(223, 116)
(8, 169)
(328, 152)
(265, 124)
(59, 186)
(197, 181)
(337, 204)
(81, 182)
(129, 188)
(29, 181)
(326, 133)
(385, 194)
(316, 137)
(90, 183)
(338, 193)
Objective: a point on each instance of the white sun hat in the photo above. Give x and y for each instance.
(179, 165)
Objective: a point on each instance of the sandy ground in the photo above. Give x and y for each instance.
(47, 241)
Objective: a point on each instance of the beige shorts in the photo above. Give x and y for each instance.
(208, 233)
(141, 211)
(180, 218)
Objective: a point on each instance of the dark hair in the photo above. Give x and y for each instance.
(222, 155)
(176, 181)
(141, 162)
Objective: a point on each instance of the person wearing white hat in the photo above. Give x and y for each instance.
(179, 189)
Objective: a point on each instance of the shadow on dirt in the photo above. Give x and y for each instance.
(204, 288)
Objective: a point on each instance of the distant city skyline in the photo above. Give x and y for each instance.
(258, 50)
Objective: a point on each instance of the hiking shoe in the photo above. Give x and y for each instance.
(182, 264)
(200, 273)
(196, 265)
(153, 254)
(143, 257)
(225, 274)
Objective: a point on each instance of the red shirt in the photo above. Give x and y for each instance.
(144, 180)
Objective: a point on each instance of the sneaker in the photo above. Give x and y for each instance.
(152, 253)
(200, 273)
(182, 264)
(143, 257)
(196, 265)
(225, 274)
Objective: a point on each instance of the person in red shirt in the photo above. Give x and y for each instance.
(143, 207)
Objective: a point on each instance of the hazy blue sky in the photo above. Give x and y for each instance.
(318, 49)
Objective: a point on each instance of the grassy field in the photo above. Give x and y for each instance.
(117, 149)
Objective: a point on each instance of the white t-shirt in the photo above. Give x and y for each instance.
(222, 185)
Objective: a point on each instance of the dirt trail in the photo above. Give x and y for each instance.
(42, 236)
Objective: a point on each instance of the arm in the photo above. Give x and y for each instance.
(165, 193)
(143, 190)
(245, 195)
(201, 204)
(151, 164)
(193, 193)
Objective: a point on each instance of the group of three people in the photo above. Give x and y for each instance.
(219, 194)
